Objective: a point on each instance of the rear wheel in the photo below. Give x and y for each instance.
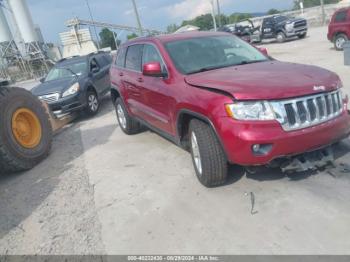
(25, 130)
(129, 125)
(208, 156)
(92, 103)
(339, 41)
(281, 37)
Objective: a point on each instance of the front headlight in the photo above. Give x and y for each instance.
(72, 90)
(289, 27)
(259, 110)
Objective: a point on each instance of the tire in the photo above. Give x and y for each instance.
(339, 41)
(208, 156)
(25, 130)
(92, 103)
(302, 36)
(281, 37)
(127, 124)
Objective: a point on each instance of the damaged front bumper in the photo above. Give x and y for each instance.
(309, 161)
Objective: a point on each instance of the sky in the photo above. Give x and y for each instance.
(51, 15)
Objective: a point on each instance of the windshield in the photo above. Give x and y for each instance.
(280, 19)
(67, 71)
(207, 53)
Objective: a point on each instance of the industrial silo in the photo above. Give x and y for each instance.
(23, 20)
(5, 32)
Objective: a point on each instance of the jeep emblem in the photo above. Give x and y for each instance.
(319, 88)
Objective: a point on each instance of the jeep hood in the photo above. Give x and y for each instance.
(266, 80)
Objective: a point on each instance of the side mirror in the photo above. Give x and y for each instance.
(263, 50)
(152, 69)
(95, 70)
(42, 80)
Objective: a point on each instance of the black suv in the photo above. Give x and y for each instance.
(76, 83)
(282, 27)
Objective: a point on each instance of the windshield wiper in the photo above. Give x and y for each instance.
(208, 68)
(245, 62)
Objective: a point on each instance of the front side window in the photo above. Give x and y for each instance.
(340, 17)
(94, 64)
(150, 54)
(213, 52)
(134, 57)
(67, 71)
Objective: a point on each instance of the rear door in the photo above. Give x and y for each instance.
(267, 29)
(341, 22)
(158, 103)
(132, 79)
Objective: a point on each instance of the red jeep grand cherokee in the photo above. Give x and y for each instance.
(226, 101)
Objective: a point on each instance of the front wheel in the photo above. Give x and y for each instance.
(302, 36)
(208, 156)
(92, 103)
(339, 41)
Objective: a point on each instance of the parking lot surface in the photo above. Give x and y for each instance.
(102, 192)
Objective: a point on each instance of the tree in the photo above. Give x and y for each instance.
(237, 17)
(172, 28)
(204, 22)
(273, 11)
(132, 36)
(311, 3)
(107, 39)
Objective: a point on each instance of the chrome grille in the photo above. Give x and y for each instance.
(302, 23)
(308, 111)
(50, 98)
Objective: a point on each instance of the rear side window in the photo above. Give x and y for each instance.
(340, 17)
(120, 61)
(134, 57)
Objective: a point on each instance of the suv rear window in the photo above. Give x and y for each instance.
(340, 17)
(134, 57)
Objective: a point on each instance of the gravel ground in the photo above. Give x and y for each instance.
(102, 192)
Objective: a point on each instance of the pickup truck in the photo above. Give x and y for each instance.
(282, 27)
(226, 101)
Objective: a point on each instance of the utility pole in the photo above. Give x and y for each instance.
(137, 17)
(323, 13)
(219, 12)
(213, 14)
(92, 19)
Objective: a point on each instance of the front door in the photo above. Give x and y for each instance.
(158, 104)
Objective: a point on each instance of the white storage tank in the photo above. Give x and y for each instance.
(5, 33)
(23, 20)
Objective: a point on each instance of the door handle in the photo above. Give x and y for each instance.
(140, 79)
(121, 74)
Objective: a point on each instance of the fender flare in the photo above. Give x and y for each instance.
(199, 116)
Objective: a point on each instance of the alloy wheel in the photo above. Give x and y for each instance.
(196, 154)
(93, 102)
(121, 116)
